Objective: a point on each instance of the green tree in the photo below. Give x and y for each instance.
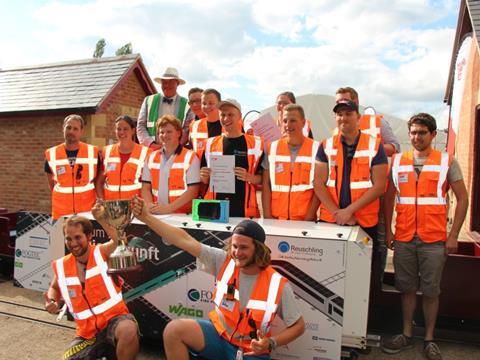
(99, 48)
(124, 50)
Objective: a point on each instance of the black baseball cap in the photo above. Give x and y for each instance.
(345, 104)
(251, 229)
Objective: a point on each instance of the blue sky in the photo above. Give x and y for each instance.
(395, 53)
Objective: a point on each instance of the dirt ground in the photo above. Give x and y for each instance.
(40, 339)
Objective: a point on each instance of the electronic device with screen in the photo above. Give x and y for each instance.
(210, 210)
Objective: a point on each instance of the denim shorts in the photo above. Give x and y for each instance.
(216, 347)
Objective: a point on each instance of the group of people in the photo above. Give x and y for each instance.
(345, 179)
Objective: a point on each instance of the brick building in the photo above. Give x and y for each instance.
(35, 100)
(463, 97)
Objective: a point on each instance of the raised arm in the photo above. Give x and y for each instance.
(172, 234)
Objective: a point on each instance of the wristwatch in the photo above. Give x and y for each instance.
(272, 344)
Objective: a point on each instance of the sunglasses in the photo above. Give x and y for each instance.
(253, 332)
(78, 175)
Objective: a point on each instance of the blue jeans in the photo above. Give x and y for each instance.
(217, 347)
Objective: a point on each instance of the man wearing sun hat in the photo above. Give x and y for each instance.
(248, 295)
(157, 105)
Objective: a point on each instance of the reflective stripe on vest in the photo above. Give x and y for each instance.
(100, 269)
(421, 203)
(360, 176)
(266, 306)
(370, 124)
(182, 111)
(273, 158)
(254, 152)
(91, 161)
(369, 153)
(137, 162)
(154, 162)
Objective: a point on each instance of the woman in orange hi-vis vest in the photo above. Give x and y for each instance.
(171, 175)
(122, 163)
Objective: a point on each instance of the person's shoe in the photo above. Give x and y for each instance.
(432, 351)
(397, 343)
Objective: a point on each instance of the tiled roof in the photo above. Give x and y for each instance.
(66, 85)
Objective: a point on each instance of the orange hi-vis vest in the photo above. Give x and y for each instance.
(232, 323)
(98, 301)
(306, 128)
(360, 176)
(291, 183)
(123, 182)
(177, 180)
(421, 206)
(254, 152)
(198, 136)
(371, 124)
(74, 189)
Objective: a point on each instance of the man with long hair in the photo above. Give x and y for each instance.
(248, 295)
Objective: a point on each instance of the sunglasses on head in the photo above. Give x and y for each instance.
(253, 332)
(78, 175)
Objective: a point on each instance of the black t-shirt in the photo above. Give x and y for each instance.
(238, 147)
(214, 128)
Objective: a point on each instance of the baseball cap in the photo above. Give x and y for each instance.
(231, 102)
(251, 229)
(345, 103)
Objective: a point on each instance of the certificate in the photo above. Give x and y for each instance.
(222, 176)
(266, 127)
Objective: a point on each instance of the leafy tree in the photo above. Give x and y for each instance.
(99, 48)
(124, 50)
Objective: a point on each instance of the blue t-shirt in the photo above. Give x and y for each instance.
(345, 197)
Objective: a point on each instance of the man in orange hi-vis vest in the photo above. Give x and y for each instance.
(71, 169)
(248, 295)
(419, 180)
(350, 176)
(289, 167)
(93, 298)
(247, 151)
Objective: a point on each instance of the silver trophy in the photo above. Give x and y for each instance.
(118, 213)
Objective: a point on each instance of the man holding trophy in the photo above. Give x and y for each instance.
(81, 280)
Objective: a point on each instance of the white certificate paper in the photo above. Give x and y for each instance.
(266, 127)
(222, 176)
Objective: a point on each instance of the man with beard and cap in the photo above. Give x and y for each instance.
(93, 298)
(419, 180)
(248, 295)
(71, 169)
(157, 105)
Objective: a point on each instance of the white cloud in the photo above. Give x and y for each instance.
(253, 49)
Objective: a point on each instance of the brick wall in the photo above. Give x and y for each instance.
(24, 139)
(464, 149)
(126, 100)
(23, 184)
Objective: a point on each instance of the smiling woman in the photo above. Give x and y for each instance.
(122, 164)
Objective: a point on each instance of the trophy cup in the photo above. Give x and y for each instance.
(118, 213)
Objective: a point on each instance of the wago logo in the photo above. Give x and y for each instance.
(180, 310)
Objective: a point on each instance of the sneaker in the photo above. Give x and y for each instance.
(432, 351)
(397, 343)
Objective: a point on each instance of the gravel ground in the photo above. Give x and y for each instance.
(25, 339)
